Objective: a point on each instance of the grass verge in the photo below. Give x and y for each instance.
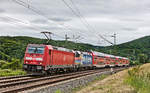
(139, 79)
(9, 72)
(74, 90)
(58, 91)
(109, 84)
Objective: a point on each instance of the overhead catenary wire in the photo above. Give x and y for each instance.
(33, 9)
(20, 2)
(78, 15)
(42, 14)
(15, 20)
(82, 17)
(12, 19)
(106, 39)
(24, 4)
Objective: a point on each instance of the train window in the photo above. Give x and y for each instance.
(95, 58)
(49, 52)
(77, 54)
(55, 48)
(37, 50)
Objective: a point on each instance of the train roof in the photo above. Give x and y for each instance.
(62, 49)
(86, 53)
(69, 50)
(107, 55)
(121, 57)
(36, 45)
(98, 53)
(102, 54)
(52, 47)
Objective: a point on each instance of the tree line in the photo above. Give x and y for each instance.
(12, 49)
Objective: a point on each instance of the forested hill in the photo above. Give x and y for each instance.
(141, 43)
(14, 47)
(131, 49)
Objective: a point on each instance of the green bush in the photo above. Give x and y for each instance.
(2, 62)
(136, 62)
(143, 58)
(11, 68)
(9, 72)
(14, 65)
(3, 56)
(58, 91)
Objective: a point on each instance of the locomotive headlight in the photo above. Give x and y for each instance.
(39, 59)
(28, 58)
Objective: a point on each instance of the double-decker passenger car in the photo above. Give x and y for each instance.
(106, 60)
(99, 59)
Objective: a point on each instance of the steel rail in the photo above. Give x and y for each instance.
(48, 81)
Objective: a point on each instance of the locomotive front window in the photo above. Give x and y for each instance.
(37, 50)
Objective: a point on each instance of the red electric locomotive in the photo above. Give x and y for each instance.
(46, 58)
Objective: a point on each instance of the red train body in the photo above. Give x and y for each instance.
(40, 58)
(49, 59)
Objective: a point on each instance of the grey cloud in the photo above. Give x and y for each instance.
(41, 21)
(106, 16)
(2, 10)
(55, 19)
(115, 7)
(5, 19)
(129, 29)
(58, 19)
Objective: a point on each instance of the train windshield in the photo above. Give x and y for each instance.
(36, 50)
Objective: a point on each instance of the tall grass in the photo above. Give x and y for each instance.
(9, 72)
(58, 91)
(11, 68)
(139, 80)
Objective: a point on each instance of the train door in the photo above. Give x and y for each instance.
(78, 58)
(95, 60)
(50, 57)
(101, 60)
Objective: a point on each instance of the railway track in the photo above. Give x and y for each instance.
(28, 78)
(30, 83)
(13, 77)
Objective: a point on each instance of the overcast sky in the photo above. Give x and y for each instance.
(129, 19)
